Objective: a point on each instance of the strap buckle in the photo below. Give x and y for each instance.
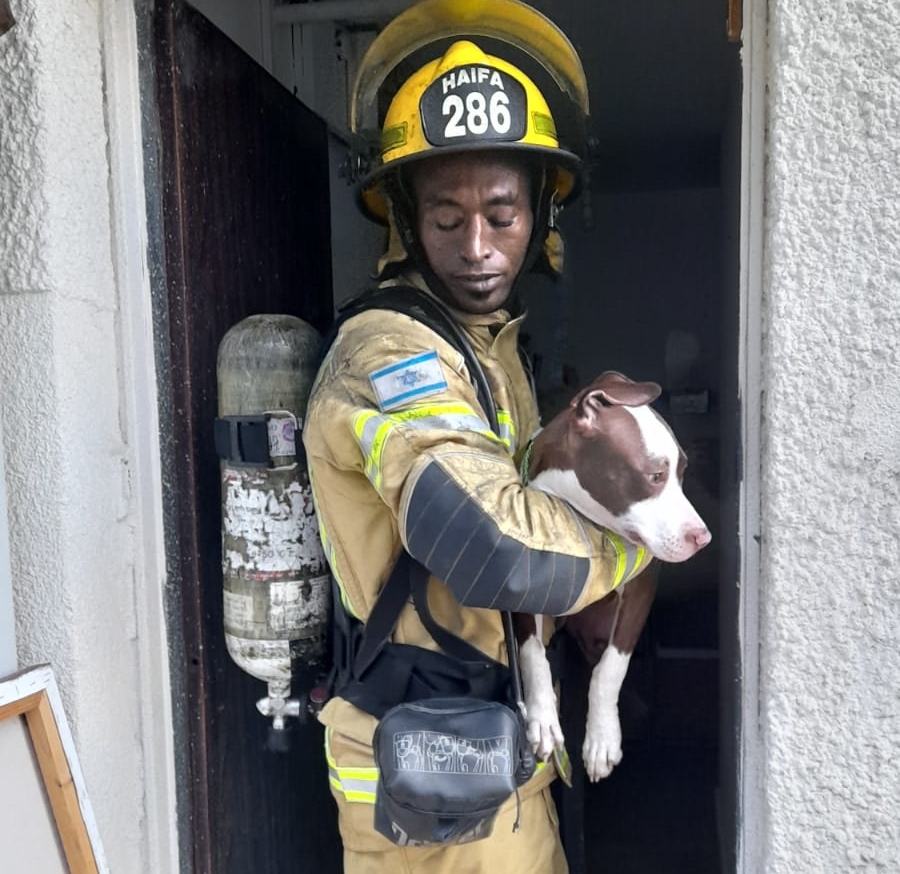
(270, 439)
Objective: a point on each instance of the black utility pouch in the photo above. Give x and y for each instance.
(446, 766)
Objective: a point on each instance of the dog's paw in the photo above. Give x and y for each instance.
(542, 726)
(602, 749)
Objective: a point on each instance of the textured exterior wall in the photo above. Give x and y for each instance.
(64, 414)
(830, 598)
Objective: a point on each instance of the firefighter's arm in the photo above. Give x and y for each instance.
(455, 492)
(501, 545)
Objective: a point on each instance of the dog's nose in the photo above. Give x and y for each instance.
(699, 536)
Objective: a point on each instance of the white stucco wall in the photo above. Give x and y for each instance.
(76, 403)
(830, 587)
(71, 296)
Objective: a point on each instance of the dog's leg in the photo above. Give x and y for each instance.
(602, 749)
(541, 715)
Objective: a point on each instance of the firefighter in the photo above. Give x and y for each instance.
(398, 444)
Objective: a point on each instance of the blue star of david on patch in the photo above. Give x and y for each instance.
(411, 378)
(408, 380)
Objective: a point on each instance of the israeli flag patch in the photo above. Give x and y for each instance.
(408, 380)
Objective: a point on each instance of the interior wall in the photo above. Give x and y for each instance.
(246, 23)
(351, 265)
(641, 292)
(315, 62)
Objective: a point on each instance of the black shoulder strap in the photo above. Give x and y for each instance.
(406, 576)
(384, 615)
(431, 313)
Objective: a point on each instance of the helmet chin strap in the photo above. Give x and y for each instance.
(403, 212)
(545, 211)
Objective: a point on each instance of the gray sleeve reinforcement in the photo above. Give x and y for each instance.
(462, 545)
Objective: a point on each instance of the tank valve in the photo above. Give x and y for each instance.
(279, 706)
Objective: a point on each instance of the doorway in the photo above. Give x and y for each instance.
(651, 289)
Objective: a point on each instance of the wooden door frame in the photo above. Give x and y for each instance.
(200, 720)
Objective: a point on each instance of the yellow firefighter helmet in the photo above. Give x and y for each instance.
(469, 99)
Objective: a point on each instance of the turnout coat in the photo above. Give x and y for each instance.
(401, 456)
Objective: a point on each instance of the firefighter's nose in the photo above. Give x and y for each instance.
(475, 245)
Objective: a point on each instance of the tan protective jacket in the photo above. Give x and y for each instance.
(401, 455)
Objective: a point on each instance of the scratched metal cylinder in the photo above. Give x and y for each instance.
(276, 580)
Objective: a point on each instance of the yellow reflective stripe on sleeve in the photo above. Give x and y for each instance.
(345, 600)
(456, 417)
(507, 430)
(372, 429)
(331, 558)
(629, 558)
(355, 784)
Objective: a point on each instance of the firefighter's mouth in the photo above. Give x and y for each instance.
(477, 278)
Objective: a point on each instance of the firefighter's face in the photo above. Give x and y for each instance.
(474, 219)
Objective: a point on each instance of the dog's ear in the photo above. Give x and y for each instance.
(614, 389)
(588, 406)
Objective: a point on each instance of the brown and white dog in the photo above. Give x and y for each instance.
(615, 460)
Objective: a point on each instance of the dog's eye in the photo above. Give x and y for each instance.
(657, 478)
